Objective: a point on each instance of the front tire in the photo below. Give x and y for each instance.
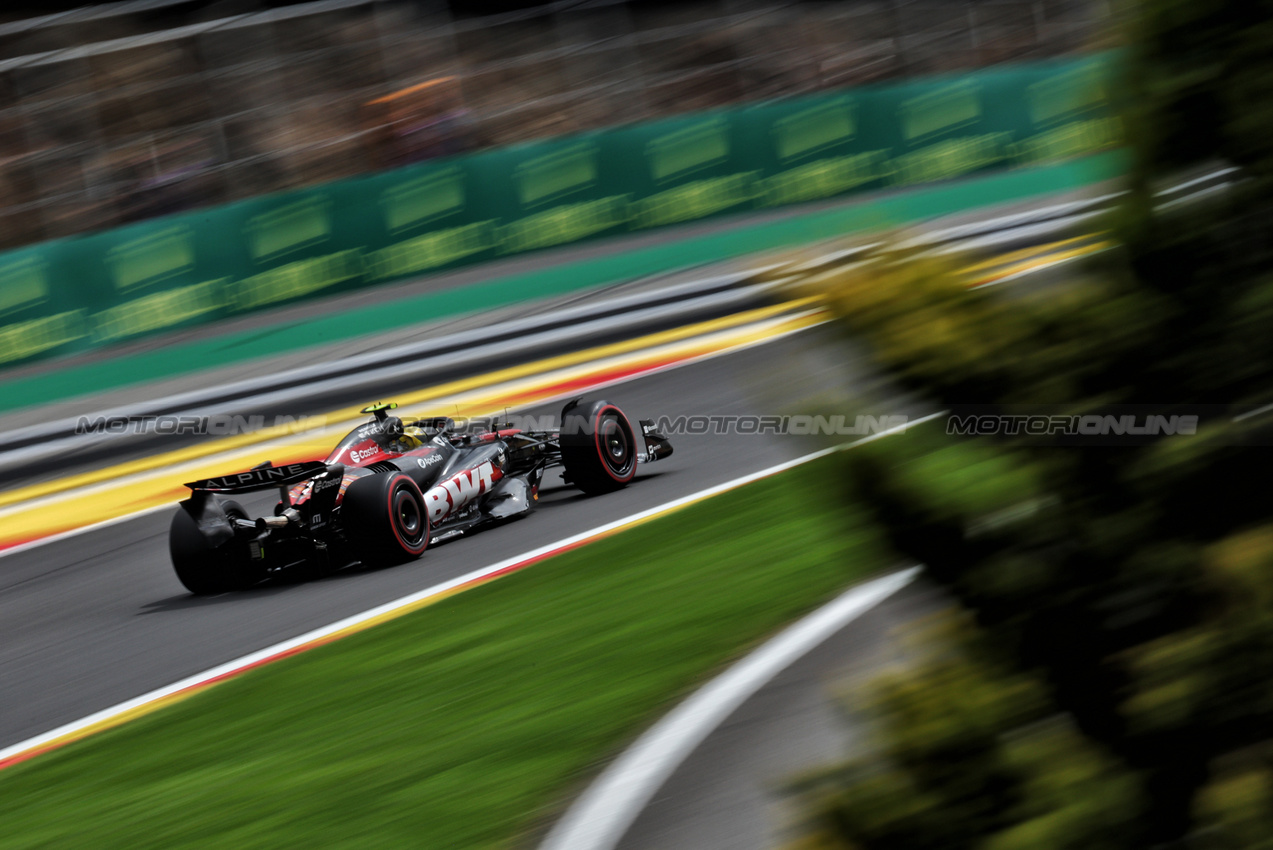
(385, 518)
(205, 570)
(598, 447)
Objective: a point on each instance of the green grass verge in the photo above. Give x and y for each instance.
(469, 723)
(677, 252)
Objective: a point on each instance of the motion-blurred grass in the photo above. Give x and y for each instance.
(469, 723)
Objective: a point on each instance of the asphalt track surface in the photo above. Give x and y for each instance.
(88, 622)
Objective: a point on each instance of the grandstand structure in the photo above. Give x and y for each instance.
(123, 111)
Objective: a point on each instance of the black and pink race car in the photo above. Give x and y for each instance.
(388, 489)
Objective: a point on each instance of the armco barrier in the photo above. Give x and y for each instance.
(74, 294)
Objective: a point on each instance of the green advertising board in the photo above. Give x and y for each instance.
(74, 294)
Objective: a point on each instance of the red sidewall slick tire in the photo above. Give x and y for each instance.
(598, 447)
(385, 518)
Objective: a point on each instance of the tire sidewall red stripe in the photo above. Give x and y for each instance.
(393, 514)
(596, 441)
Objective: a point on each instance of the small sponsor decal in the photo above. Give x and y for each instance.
(427, 461)
(322, 484)
(309, 489)
(359, 455)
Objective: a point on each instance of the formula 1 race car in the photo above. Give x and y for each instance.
(388, 489)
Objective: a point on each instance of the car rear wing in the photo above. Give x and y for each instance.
(261, 478)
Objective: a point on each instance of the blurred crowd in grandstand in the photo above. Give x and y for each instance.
(127, 110)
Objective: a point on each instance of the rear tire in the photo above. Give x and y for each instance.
(202, 569)
(598, 447)
(385, 519)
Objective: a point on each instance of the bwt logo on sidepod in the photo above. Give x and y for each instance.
(458, 490)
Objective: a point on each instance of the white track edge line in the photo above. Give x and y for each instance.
(532, 326)
(606, 810)
(410, 599)
(656, 370)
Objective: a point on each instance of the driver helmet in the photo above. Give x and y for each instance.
(413, 436)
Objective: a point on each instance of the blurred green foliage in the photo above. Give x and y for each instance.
(985, 766)
(1127, 589)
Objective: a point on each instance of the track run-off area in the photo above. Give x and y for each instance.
(94, 618)
(35, 513)
(95, 628)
